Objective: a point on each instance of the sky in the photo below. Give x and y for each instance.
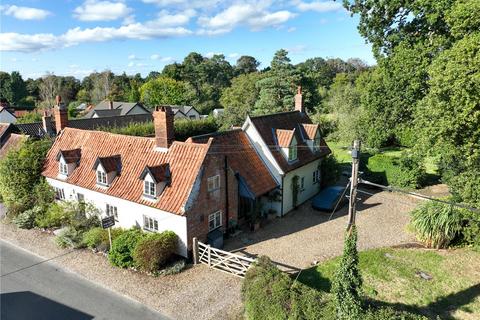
(69, 37)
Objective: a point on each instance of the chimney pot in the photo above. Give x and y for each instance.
(163, 119)
(299, 100)
(110, 104)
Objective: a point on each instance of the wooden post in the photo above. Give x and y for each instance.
(110, 238)
(209, 255)
(353, 184)
(195, 251)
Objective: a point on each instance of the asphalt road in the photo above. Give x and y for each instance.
(33, 289)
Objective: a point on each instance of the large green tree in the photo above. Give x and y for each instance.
(239, 99)
(163, 90)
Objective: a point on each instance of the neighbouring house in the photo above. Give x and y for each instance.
(108, 108)
(50, 126)
(6, 116)
(218, 112)
(185, 112)
(292, 148)
(8, 139)
(153, 183)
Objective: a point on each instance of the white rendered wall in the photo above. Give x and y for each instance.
(310, 188)
(130, 214)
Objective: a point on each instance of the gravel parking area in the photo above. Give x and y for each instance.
(196, 293)
(306, 235)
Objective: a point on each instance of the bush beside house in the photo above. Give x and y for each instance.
(155, 250)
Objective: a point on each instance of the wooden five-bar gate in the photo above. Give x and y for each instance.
(221, 260)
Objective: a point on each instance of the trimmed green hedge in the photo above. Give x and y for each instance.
(155, 250)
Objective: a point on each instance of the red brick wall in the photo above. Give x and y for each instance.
(163, 118)
(61, 118)
(210, 202)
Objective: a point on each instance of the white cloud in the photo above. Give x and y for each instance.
(25, 13)
(29, 43)
(167, 59)
(211, 54)
(132, 57)
(184, 3)
(319, 6)
(166, 19)
(131, 64)
(94, 10)
(233, 55)
(155, 56)
(254, 15)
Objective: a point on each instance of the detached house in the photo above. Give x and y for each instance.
(108, 108)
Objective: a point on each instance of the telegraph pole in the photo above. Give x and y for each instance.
(353, 184)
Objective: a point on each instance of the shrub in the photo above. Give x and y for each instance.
(26, 219)
(123, 246)
(70, 237)
(269, 293)
(330, 171)
(44, 194)
(348, 281)
(97, 238)
(155, 250)
(390, 314)
(56, 216)
(410, 171)
(436, 224)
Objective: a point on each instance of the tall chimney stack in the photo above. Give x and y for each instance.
(163, 122)
(110, 104)
(61, 115)
(299, 100)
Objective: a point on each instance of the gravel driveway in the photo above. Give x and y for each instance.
(306, 235)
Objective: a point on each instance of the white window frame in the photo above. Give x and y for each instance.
(111, 211)
(213, 183)
(216, 218)
(149, 189)
(150, 224)
(101, 177)
(63, 168)
(59, 193)
(316, 176)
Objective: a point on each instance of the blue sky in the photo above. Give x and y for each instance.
(77, 37)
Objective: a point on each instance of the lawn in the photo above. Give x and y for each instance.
(391, 279)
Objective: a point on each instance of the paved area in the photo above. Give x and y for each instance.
(306, 235)
(33, 289)
(196, 293)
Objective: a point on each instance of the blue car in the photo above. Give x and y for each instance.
(327, 199)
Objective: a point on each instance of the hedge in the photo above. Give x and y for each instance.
(155, 250)
(121, 254)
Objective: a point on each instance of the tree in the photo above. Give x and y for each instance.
(448, 116)
(49, 88)
(20, 173)
(12, 87)
(163, 91)
(348, 281)
(239, 99)
(246, 64)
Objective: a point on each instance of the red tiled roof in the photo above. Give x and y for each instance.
(266, 126)
(242, 158)
(185, 160)
(310, 130)
(284, 137)
(110, 164)
(159, 173)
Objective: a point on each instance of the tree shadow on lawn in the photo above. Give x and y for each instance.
(443, 306)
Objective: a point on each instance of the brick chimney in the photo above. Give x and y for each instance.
(299, 100)
(61, 115)
(163, 123)
(110, 104)
(47, 122)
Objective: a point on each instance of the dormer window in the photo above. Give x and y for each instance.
(106, 169)
(68, 160)
(292, 152)
(311, 136)
(101, 177)
(155, 180)
(63, 168)
(149, 189)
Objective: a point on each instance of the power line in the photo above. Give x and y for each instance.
(418, 195)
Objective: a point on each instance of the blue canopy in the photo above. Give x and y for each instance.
(327, 198)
